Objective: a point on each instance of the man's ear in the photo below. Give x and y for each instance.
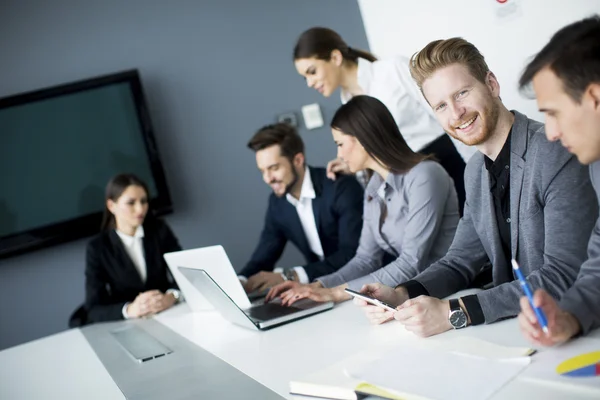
(593, 90)
(299, 160)
(492, 83)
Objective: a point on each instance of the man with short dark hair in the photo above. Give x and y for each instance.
(323, 218)
(566, 80)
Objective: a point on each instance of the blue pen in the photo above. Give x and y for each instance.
(541, 317)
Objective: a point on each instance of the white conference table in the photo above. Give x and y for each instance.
(64, 366)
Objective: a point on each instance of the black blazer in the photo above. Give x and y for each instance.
(338, 208)
(111, 279)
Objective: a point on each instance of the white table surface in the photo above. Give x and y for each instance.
(296, 350)
(64, 366)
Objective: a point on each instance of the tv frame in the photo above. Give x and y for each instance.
(88, 225)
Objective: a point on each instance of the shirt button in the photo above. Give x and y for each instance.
(502, 186)
(508, 220)
(506, 167)
(389, 199)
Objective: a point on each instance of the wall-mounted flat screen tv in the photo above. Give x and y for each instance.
(59, 147)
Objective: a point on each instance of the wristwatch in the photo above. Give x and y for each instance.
(176, 294)
(456, 316)
(290, 275)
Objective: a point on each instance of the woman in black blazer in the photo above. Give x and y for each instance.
(126, 275)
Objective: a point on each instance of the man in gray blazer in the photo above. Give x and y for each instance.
(566, 80)
(527, 198)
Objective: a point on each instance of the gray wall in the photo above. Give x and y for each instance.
(214, 72)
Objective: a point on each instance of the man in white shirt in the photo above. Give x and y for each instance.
(323, 218)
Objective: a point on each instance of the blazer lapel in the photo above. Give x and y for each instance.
(316, 207)
(153, 256)
(296, 230)
(129, 271)
(517, 167)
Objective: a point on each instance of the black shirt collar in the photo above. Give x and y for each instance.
(496, 167)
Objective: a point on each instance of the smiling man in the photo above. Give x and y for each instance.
(322, 217)
(527, 198)
(566, 80)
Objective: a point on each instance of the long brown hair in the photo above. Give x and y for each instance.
(320, 42)
(372, 124)
(114, 189)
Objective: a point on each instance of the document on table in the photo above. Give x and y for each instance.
(582, 373)
(436, 373)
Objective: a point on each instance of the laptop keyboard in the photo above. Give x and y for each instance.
(269, 311)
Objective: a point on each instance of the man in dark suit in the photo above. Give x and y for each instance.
(322, 217)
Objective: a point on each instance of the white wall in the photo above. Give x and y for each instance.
(404, 27)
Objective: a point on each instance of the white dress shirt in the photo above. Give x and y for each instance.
(307, 220)
(390, 82)
(134, 246)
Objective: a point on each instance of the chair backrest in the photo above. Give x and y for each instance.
(78, 317)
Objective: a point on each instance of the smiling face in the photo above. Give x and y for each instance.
(351, 151)
(130, 208)
(576, 125)
(277, 171)
(466, 108)
(321, 75)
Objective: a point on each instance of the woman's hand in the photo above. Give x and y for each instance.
(149, 303)
(337, 166)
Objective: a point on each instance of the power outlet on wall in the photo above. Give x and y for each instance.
(313, 118)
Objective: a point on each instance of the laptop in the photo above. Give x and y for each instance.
(259, 316)
(214, 260)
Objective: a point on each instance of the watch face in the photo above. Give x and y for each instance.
(458, 319)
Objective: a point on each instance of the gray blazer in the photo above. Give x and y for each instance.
(415, 222)
(583, 299)
(552, 209)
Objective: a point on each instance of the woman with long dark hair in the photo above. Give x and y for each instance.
(125, 274)
(327, 63)
(410, 208)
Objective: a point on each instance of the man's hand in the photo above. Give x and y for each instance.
(425, 316)
(337, 166)
(377, 315)
(561, 325)
(262, 280)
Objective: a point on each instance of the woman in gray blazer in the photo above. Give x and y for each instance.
(410, 207)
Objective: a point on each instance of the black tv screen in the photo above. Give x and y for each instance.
(58, 149)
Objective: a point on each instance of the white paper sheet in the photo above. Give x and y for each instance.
(543, 365)
(438, 375)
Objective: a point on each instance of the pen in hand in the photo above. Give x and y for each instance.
(541, 317)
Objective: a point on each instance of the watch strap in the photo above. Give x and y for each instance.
(454, 305)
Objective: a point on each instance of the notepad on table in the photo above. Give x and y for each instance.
(368, 372)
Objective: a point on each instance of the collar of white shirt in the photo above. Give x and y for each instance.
(306, 192)
(129, 240)
(364, 77)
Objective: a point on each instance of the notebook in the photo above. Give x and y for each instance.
(349, 378)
